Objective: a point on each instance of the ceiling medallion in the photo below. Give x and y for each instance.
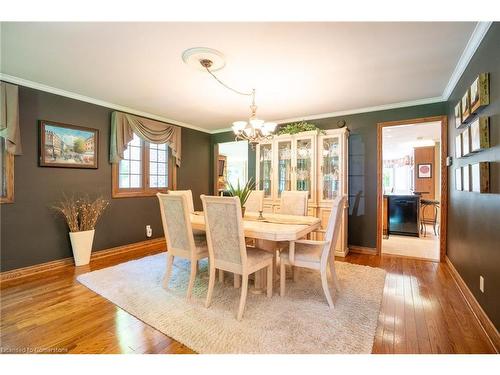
(253, 130)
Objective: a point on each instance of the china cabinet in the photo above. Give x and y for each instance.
(308, 161)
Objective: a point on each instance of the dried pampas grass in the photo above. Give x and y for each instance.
(81, 214)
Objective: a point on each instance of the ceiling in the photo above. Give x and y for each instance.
(298, 69)
(399, 141)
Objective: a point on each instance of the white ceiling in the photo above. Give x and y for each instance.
(399, 141)
(298, 69)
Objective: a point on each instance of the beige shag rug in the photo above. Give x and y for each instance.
(300, 322)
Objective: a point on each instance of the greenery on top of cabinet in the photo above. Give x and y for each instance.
(299, 127)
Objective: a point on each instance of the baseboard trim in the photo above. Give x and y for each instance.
(148, 245)
(363, 250)
(483, 319)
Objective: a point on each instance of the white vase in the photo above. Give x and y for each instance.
(81, 242)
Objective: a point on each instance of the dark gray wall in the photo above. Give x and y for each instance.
(362, 163)
(473, 218)
(31, 233)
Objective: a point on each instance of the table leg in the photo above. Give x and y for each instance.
(260, 282)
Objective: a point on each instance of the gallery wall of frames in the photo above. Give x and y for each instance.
(474, 136)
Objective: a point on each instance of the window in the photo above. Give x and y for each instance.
(145, 170)
(7, 168)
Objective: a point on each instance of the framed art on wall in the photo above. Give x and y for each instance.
(465, 106)
(458, 146)
(458, 115)
(458, 178)
(465, 177)
(68, 146)
(424, 170)
(480, 176)
(479, 134)
(466, 142)
(480, 92)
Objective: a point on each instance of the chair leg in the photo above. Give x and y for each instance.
(166, 278)
(270, 279)
(326, 289)
(192, 278)
(333, 272)
(221, 276)
(282, 277)
(211, 284)
(243, 298)
(236, 281)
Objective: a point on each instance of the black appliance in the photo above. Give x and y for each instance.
(403, 214)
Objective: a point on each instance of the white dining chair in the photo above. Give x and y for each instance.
(227, 249)
(294, 203)
(254, 201)
(189, 196)
(316, 255)
(179, 236)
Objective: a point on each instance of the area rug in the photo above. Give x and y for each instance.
(300, 322)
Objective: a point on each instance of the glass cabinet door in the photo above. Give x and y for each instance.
(330, 167)
(265, 169)
(303, 170)
(284, 166)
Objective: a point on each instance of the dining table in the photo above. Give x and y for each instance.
(268, 231)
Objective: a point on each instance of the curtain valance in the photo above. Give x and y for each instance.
(123, 127)
(9, 117)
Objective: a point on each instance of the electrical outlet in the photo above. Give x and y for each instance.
(481, 284)
(149, 231)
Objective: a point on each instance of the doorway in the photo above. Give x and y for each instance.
(412, 188)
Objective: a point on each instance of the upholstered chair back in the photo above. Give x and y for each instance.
(189, 196)
(294, 203)
(176, 224)
(333, 227)
(224, 229)
(255, 201)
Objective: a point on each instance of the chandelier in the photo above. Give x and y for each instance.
(253, 130)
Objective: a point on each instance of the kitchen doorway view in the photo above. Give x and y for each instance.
(411, 188)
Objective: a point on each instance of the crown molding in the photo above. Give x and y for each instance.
(88, 99)
(470, 49)
(318, 116)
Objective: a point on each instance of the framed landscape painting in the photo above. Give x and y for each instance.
(68, 146)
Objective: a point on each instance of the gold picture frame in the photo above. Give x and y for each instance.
(458, 114)
(466, 142)
(480, 177)
(479, 134)
(479, 92)
(465, 104)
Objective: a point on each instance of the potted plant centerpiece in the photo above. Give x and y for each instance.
(81, 216)
(242, 192)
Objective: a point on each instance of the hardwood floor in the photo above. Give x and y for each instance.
(422, 312)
